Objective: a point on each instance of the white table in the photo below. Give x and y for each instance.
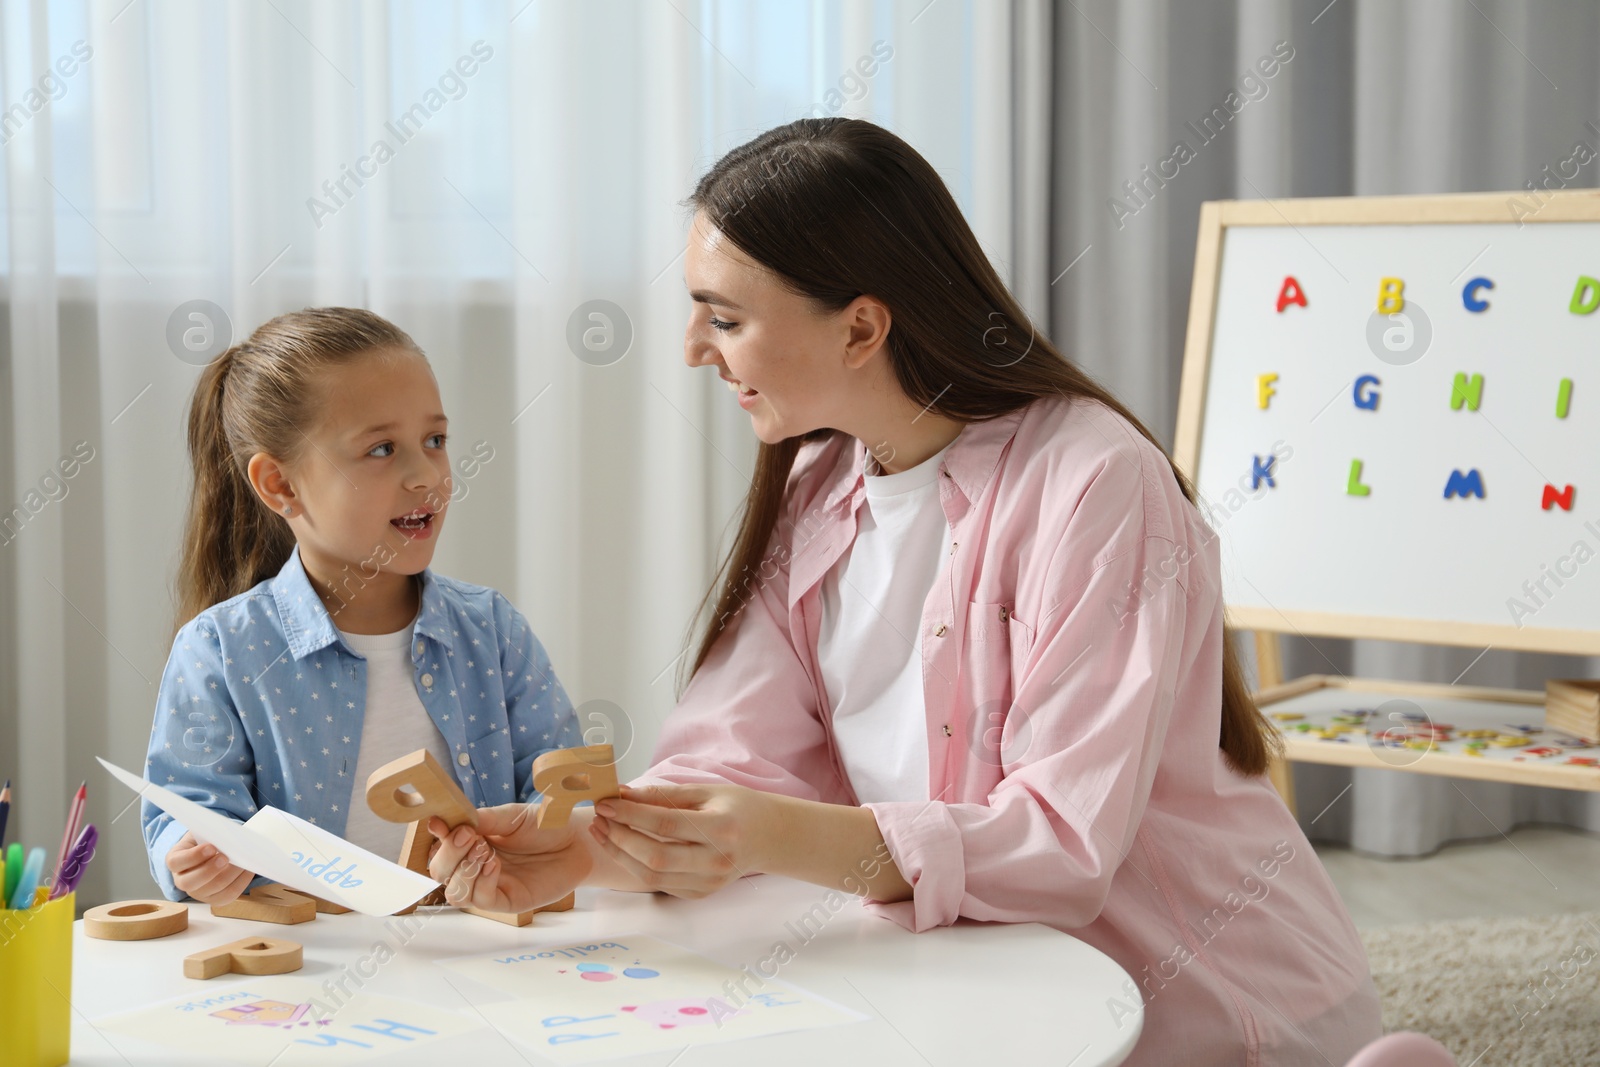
(972, 993)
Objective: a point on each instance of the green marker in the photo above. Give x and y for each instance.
(23, 896)
(13, 872)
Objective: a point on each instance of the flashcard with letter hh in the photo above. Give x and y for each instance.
(285, 1021)
(636, 995)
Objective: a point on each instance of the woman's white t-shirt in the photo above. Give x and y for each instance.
(869, 646)
(395, 724)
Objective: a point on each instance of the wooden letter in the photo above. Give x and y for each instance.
(569, 775)
(269, 904)
(328, 907)
(136, 920)
(437, 794)
(251, 955)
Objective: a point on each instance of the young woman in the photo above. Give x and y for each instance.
(316, 644)
(967, 657)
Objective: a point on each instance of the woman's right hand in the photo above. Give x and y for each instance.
(507, 863)
(204, 873)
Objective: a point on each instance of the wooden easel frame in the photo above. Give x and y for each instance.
(1267, 623)
(1269, 674)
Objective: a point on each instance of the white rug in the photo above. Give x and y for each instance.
(1495, 992)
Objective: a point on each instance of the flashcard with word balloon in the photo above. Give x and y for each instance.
(637, 995)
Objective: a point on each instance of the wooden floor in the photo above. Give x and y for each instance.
(1533, 871)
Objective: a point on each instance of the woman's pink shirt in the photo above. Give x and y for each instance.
(1072, 676)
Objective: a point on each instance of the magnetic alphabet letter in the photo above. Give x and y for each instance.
(1366, 392)
(1585, 296)
(1353, 486)
(1469, 294)
(1264, 390)
(1290, 293)
(1391, 296)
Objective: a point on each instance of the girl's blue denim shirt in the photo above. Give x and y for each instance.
(262, 703)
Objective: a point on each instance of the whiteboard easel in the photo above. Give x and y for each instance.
(1381, 548)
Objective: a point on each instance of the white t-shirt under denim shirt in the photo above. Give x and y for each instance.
(869, 646)
(396, 724)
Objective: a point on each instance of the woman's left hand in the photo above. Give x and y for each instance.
(688, 840)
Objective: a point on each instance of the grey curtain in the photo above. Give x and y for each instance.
(1378, 97)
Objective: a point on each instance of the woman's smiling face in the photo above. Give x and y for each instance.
(788, 357)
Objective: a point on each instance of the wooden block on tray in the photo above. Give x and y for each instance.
(1572, 705)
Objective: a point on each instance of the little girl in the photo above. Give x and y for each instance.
(318, 645)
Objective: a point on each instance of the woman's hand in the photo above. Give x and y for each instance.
(688, 840)
(507, 863)
(204, 873)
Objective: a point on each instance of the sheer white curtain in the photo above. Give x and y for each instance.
(536, 157)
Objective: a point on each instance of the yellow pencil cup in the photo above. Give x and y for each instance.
(36, 984)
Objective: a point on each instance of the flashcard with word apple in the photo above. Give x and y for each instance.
(1391, 413)
(635, 995)
(287, 1021)
(289, 850)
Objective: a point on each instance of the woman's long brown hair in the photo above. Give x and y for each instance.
(259, 396)
(840, 207)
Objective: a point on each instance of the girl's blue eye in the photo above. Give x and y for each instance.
(720, 324)
(436, 440)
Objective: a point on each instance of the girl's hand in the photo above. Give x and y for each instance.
(204, 873)
(507, 863)
(688, 840)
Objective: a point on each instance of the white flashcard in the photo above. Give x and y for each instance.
(635, 996)
(286, 1021)
(291, 851)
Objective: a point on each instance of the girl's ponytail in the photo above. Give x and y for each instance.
(230, 540)
(258, 396)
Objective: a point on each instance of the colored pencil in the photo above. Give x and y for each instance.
(77, 862)
(74, 817)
